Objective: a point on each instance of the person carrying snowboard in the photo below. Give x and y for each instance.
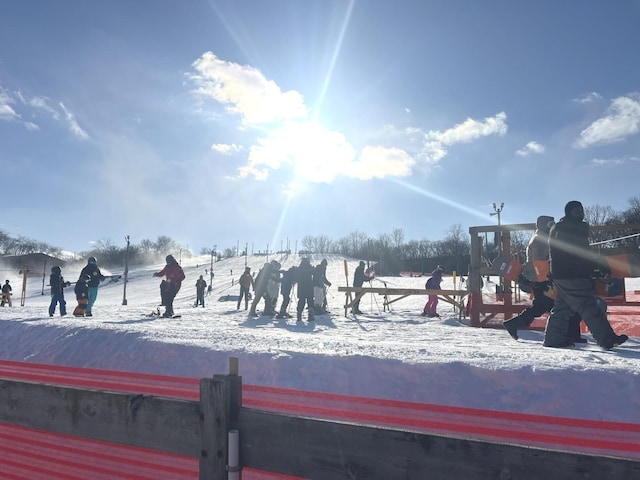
(82, 295)
(174, 275)
(96, 277)
(57, 291)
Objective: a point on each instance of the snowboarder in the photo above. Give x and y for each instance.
(246, 282)
(57, 283)
(82, 295)
(320, 284)
(289, 277)
(174, 275)
(96, 276)
(201, 284)
(305, 289)
(260, 286)
(6, 293)
(359, 277)
(433, 283)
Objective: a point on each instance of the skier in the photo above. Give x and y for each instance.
(96, 276)
(174, 275)
(359, 277)
(260, 286)
(6, 293)
(289, 277)
(305, 289)
(201, 284)
(320, 284)
(82, 295)
(433, 283)
(245, 281)
(57, 291)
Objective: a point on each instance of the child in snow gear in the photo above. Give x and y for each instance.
(174, 275)
(201, 284)
(6, 293)
(288, 279)
(305, 289)
(433, 283)
(359, 277)
(82, 295)
(320, 284)
(96, 277)
(246, 282)
(57, 291)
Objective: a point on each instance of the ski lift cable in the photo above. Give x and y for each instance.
(615, 239)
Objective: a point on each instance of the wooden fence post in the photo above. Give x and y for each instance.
(219, 408)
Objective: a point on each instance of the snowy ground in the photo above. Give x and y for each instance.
(396, 355)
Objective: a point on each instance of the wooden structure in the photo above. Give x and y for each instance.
(283, 443)
(454, 297)
(480, 313)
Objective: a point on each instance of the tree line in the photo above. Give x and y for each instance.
(390, 251)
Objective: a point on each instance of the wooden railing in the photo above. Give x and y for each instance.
(283, 443)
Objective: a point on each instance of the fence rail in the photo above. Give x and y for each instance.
(283, 443)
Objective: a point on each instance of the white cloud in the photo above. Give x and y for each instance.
(588, 98)
(531, 148)
(245, 91)
(225, 148)
(605, 162)
(73, 124)
(621, 121)
(381, 162)
(7, 112)
(465, 132)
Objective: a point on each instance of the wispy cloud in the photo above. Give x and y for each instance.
(436, 142)
(607, 162)
(225, 148)
(531, 148)
(7, 112)
(622, 120)
(588, 98)
(73, 124)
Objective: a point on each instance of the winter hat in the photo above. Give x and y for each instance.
(324, 261)
(92, 260)
(570, 206)
(170, 259)
(56, 269)
(544, 222)
(361, 263)
(247, 269)
(440, 268)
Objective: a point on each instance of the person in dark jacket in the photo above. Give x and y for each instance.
(6, 293)
(246, 283)
(289, 278)
(320, 284)
(572, 266)
(359, 277)
(201, 284)
(57, 283)
(174, 275)
(268, 272)
(433, 283)
(96, 276)
(305, 289)
(82, 295)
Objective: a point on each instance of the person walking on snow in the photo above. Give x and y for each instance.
(305, 290)
(288, 279)
(320, 284)
(201, 284)
(57, 283)
(174, 275)
(433, 284)
(96, 276)
(6, 293)
(246, 282)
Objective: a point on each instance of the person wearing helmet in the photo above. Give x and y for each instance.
(433, 283)
(82, 294)
(96, 277)
(57, 283)
(174, 275)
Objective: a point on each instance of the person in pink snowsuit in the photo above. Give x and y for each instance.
(433, 284)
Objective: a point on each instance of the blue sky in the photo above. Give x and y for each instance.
(217, 122)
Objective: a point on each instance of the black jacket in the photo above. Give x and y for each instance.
(94, 272)
(569, 251)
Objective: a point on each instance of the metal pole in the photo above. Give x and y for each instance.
(126, 272)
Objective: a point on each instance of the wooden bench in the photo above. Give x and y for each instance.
(448, 296)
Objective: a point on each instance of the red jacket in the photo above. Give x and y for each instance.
(174, 275)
